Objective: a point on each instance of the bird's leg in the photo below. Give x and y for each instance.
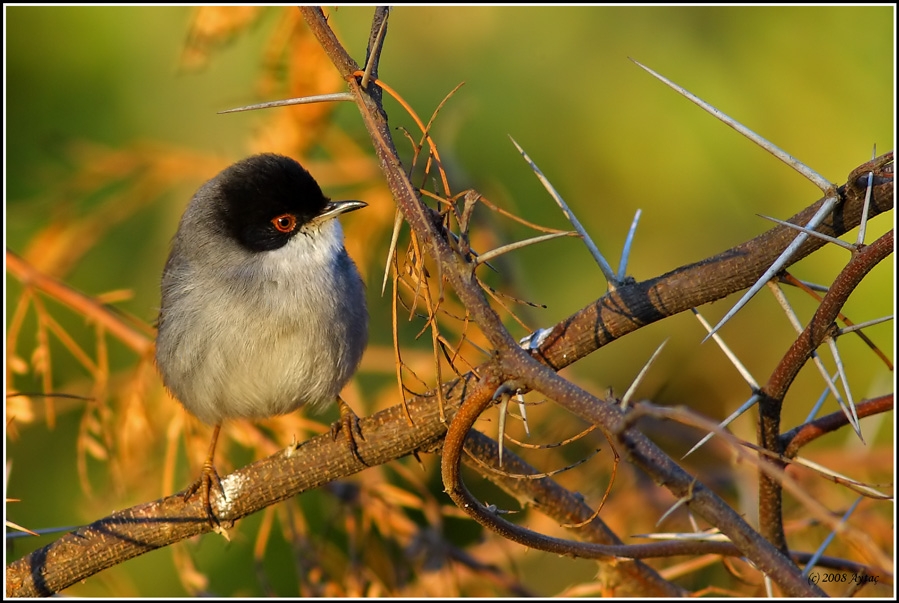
(349, 422)
(208, 476)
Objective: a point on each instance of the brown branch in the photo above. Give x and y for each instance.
(148, 526)
(636, 305)
(796, 438)
(820, 327)
(637, 448)
(626, 578)
(789, 278)
(546, 494)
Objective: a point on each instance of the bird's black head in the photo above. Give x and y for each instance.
(264, 200)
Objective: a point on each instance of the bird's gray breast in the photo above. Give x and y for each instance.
(255, 335)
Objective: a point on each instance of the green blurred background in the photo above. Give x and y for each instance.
(818, 82)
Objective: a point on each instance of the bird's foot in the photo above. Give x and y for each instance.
(208, 479)
(349, 423)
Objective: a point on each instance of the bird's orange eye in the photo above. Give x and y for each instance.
(285, 223)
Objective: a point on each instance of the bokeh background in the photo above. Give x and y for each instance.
(112, 112)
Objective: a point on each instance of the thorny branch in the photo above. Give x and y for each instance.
(131, 532)
(514, 363)
(798, 437)
(820, 327)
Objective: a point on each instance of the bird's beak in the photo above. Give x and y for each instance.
(334, 208)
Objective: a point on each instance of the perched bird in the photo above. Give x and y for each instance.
(262, 309)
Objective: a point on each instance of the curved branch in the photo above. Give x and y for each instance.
(820, 327)
(625, 577)
(796, 438)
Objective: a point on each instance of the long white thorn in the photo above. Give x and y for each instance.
(489, 255)
(849, 411)
(864, 325)
(626, 398)
(841, 370)
(594, 251)
(743, 408)
(863, 225)
(817, 179)
(741, 368)
(812, 233)
(303, 100)
(780, 262)
(626, 250)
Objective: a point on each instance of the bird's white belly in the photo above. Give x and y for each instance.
(266, 377)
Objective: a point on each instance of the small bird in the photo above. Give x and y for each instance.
(262, 311)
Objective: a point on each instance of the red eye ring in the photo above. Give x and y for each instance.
(285, 223)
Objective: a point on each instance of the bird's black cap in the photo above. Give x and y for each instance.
(265, 199)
